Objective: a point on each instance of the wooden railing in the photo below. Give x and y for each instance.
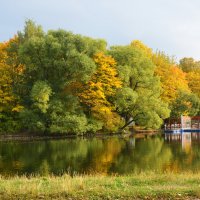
(184, 122)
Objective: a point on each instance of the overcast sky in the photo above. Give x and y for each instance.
(172, 26)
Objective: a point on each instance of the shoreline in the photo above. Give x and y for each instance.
(31, 136)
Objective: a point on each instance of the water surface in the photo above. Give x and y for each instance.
(109, 155)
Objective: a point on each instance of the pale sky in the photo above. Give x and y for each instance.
(172, 26)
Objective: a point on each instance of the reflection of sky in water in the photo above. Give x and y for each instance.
(111, 155)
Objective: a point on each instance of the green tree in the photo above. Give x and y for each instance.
(185, 104)
(40, 95)
(53, 62)
(189, 64)
(137, 72)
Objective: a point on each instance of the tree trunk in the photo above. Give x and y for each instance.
(121, 129)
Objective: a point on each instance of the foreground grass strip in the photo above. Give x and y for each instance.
(142, 186)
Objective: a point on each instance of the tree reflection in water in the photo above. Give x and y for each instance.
(101, 155)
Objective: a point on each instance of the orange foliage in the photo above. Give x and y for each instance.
(8, 69)
(172, 78)
(102, 86)
(193, 79)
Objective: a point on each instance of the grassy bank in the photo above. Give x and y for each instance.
(143, 186)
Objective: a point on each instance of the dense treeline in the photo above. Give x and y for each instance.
(60, 82)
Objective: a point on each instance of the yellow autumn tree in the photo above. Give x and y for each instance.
(6, 97)
(193, 79)
(173, 79)
(98, 92)
(145, 49)
(8, 101)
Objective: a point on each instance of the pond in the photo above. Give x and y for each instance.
(107, 155)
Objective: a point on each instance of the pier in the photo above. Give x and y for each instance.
(182, 124)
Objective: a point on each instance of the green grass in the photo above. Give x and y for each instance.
(142, 186)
